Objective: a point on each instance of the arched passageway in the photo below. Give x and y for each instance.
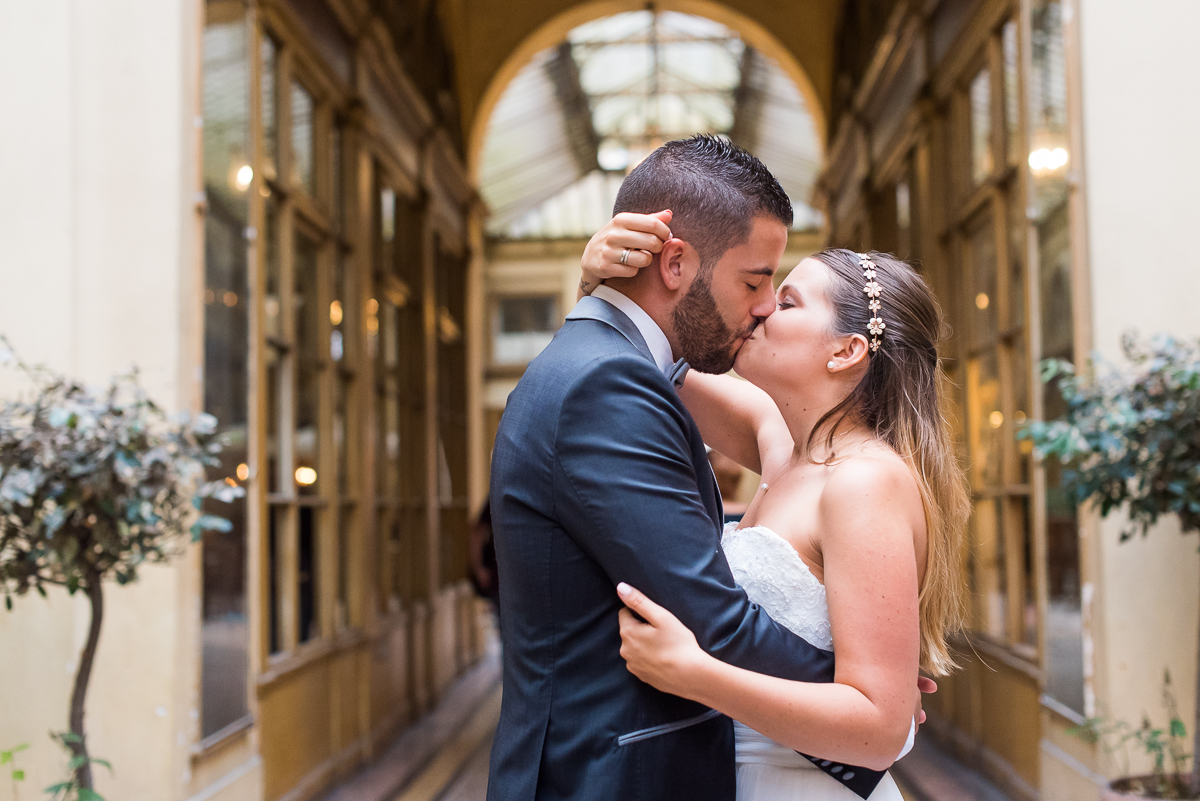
(493, 40)
(565, 118)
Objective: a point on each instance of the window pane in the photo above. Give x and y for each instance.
(522, 328)
(400, 565)
(1049, 155)
(306, 577)
(384, 559)
(981, 126)
(302, 138)
(337, 190)
(387, 215)
(1012, 95)
(225, 634)
(1048, 162)
(226, 101)
(270, 108)
(276, 524)
(904, 220)
(1016, 260)
(1019, 473)
(985, 421)
(273, 324)
(981, 263)
(341, 392)
(343, 385)
(991, 575)
(1021, 527)
(309, 352)
(274, 410)
(346, 522)
(387, 467)
(390, 474)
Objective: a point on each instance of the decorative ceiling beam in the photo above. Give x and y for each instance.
(575, 109)
(644, 38)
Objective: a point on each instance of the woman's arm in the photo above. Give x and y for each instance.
(737, 419)
(869, 552)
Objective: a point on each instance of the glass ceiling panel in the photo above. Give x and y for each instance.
(648, 77)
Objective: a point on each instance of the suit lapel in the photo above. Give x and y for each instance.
(590, 308)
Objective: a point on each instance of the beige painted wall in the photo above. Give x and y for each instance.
(1140, 114)
(99, 270)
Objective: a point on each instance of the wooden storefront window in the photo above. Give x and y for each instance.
(397, 337)
(1049, 202)
(332, 317)
(453, 510)
(225, 618)
(308, 359)
(989, 235)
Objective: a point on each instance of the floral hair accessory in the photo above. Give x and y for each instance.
(872, 290)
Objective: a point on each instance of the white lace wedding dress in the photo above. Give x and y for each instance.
(775, 577)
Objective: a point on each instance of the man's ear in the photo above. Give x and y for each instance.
(677, 263)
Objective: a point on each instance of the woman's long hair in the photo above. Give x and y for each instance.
(899, 400)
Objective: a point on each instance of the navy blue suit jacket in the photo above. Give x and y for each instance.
(599, 475)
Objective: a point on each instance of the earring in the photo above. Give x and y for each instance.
(831, 365)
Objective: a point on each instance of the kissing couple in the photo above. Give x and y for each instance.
(650, 655)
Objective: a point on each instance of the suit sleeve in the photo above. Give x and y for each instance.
(630, 498)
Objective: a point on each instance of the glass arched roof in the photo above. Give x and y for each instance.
(581, 114)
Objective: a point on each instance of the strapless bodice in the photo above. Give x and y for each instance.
(774, 576)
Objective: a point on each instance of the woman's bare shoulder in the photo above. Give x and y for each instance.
(873, 486)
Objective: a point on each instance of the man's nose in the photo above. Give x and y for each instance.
(764, 303)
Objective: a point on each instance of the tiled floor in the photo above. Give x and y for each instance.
(928, 774)
(459, 772)
(445, 756)
(460, 769)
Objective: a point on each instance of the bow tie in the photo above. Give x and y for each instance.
(678, 372)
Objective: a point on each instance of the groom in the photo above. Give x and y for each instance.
(600, 476)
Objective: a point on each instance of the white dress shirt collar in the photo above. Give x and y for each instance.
(656, 340)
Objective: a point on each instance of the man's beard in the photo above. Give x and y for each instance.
(705, 340)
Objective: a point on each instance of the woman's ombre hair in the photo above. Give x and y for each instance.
(900, 399)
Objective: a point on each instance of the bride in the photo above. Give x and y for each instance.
(853, 537)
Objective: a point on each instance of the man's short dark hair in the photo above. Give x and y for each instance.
(714, 188)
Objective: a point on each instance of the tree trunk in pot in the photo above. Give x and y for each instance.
(83, 772)
(1196, 732)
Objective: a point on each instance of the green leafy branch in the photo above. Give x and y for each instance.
(9, 757)
(72, 789)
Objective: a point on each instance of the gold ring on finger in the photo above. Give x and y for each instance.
(625, 256)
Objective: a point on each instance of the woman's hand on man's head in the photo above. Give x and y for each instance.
(641, 234)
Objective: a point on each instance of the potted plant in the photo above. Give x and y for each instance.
(1162, 745)
(94, 484)
(1130, 440)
